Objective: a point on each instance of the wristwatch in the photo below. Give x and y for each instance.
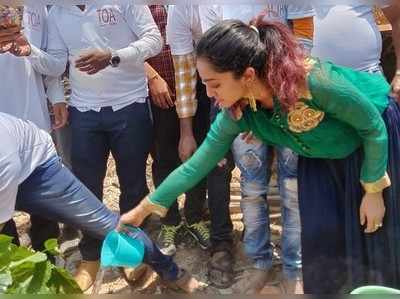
(115, 59)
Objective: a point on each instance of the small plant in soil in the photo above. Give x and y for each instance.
(24, 271)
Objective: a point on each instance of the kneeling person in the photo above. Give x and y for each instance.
(33, 180)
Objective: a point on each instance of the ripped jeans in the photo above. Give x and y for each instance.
(252, 162)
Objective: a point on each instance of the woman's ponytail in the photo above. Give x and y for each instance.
(285, 70)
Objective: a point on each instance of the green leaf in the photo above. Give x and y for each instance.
(5, 242)
(37, 257)
(20, 253)
(5, 259)
(31, 278)
(41, 275)
(61, 282)
(24, 271)
(22, 276)
(5, 251)
(51, 246)
(5, 281)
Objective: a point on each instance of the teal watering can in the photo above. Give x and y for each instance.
(121, 249)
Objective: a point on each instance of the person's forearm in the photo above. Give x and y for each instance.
(151, 73)
(185, 83)
(53, 64)
(149, 42)
(186, 126)
(139, 51)
(54, 89)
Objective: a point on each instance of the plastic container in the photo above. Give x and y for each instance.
(375, 290)
(121, 249)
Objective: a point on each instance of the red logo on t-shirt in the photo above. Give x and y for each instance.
(106, 16)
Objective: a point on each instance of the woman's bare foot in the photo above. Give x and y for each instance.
(187, 283)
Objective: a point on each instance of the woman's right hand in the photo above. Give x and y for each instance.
(134, 217)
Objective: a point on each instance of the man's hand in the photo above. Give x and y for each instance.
(396, 86)
(372, 211)
(160, 93)
(13, 40)
(7, 37)
(21, 46)
(93, 61)
(60, 115)
(187, 146)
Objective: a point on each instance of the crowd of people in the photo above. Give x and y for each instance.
(202, 89)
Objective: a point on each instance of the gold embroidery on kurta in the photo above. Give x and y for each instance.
(302, 118)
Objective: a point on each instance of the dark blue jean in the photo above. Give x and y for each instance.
(54, 193)
(127, 134)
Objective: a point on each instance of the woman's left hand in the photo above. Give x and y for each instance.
(372, 211)
(396, 86)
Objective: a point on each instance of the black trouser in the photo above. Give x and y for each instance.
(127, 134)
(166, 159)
(218, 183)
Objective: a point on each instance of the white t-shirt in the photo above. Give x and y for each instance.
(22, 89)
(187, 23)
(127, 29)
(347, 35)
(279, 11)
(24, 148)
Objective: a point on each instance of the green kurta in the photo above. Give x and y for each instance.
(352, 103)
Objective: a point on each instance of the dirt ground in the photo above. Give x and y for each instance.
(189, 255)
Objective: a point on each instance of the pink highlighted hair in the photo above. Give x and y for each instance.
(274, 53)
(285, 70)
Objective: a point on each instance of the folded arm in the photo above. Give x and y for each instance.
(150, 42)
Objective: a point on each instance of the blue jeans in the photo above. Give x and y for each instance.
(62, 140)
(53, 192)
(252, 162)
(127, 134)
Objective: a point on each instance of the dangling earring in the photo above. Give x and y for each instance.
(252, 102)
